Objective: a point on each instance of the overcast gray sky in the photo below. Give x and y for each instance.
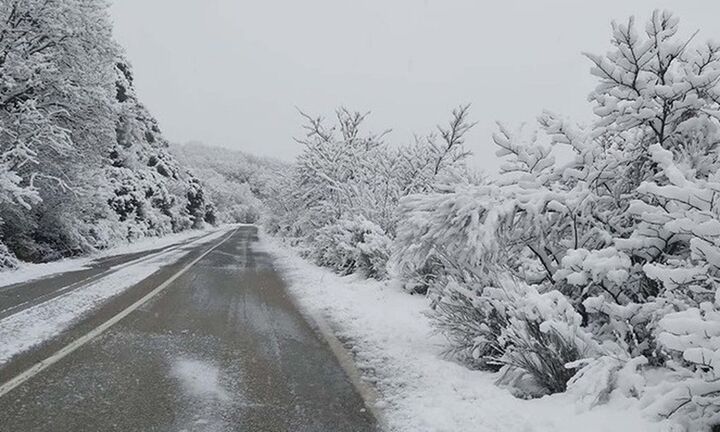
(231, 72)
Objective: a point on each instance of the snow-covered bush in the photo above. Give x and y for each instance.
(511, 326)
(479, 232)
(693, 337)
(7, 259)
(601, 378)
(543, 337)
(451, 232)
(352, 245)
(473, 325)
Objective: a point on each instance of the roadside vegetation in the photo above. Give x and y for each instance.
(590, 275)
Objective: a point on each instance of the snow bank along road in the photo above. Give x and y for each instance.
(206, 340)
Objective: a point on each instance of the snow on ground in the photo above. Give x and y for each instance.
(34, 325)
(421, 390)
(28, 271)
(200, 379)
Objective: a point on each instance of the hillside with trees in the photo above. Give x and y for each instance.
(83, 164)
(237, 183)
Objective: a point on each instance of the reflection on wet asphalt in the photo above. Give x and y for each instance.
(222, 349)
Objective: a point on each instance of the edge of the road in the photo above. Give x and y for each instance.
(56, 356)
(345, 358)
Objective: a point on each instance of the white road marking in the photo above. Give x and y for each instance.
(63, 352)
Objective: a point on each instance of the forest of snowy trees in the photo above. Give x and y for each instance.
(83, 165)
(595, 273)
(238, 184)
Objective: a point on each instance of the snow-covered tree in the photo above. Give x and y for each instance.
(347, 185)
(55, 76)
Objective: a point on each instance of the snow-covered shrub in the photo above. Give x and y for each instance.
(472, 324)
(7, 259)
(353, 245)
(652, 290)
(531, 336)
(420, 279)
(543, 336)
(600, 280)
(477, 232)
(693, 336)
(600, 379)
(451, 233)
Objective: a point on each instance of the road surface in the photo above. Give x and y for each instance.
(222, 348)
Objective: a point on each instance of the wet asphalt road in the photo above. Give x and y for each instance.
(221, 349)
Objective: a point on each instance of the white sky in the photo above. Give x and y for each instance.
(231, 72)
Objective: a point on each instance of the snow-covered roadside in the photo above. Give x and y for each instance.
(28, 271)
(32, 326)
(394, 345)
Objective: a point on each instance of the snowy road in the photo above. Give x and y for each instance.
(222, 348)
(21, 296)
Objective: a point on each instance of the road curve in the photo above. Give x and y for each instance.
(222, 348)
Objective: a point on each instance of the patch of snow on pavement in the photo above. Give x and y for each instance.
(199, 379)
(395, 346)
(32, 326)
